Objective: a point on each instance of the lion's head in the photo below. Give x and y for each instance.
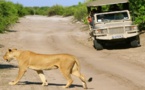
(10, 55)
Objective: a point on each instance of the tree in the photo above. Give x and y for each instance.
(8, 14)
(138, 12)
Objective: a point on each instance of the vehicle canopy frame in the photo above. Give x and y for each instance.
(101, 3)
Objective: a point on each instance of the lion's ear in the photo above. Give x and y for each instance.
(10, 50)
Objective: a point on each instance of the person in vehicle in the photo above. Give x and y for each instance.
(90, 21)
(91, 16)
(114, 7)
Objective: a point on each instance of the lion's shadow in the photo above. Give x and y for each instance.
(49, 84)
(6, 66)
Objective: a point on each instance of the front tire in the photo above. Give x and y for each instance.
(135, 41)
(97, 45)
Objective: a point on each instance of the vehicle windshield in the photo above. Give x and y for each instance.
(108, 17)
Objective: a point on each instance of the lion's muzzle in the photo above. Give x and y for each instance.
(7, 60)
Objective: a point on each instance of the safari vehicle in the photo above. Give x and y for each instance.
(113, 26)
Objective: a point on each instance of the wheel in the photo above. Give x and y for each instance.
(135, 42)
(97, 45)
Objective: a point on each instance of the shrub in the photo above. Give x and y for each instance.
(80, 12)
(8, 15)
(55, 10)
(137, 10)
(68, 11)
(21, 11)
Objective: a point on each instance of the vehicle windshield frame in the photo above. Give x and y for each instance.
(109, 20)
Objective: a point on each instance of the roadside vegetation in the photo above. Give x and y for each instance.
(10, 12)
(138, 12)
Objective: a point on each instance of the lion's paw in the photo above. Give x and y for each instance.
(64, 87)
(45, 84)
(11, 83)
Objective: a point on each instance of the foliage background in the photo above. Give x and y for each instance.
(138, 12)
(10, 12)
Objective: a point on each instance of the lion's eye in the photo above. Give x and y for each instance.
(10, 50)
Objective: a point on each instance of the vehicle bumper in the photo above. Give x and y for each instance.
(116, 36)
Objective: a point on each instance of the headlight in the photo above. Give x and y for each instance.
(129, 28)
(101, 31)
(134, 27)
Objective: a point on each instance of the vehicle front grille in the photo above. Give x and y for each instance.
(116, 30)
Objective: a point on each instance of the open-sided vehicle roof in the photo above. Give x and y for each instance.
(105, 2)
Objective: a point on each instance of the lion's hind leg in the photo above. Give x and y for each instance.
(42, 77)
(77, 73)
(67, 75)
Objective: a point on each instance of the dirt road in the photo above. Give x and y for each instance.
(112, 69)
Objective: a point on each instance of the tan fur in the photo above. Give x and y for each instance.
(66, 63)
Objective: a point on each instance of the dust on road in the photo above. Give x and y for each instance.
(111, 69)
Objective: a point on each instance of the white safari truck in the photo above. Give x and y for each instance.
(113, 25)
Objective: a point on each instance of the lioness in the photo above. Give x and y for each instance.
(66, 63)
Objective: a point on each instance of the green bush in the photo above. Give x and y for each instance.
(55, 10)
(80, 12)
(8, 15)
(68, 11)
(21, 11)
(42, 10)
(30, 10)
(138, 12)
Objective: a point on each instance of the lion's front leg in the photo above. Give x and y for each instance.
(20, 75)
(42, 77)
